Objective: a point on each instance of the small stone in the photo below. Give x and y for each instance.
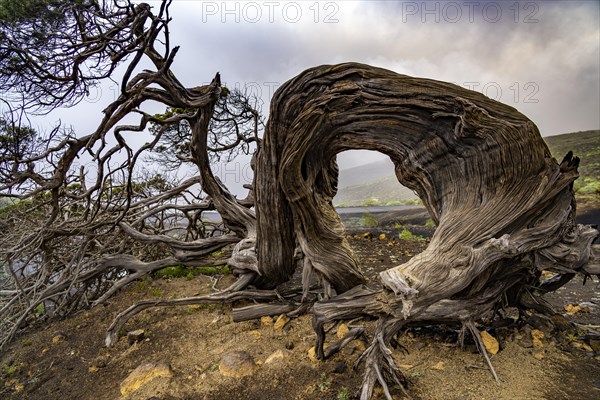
(382, 236)
(537, 336)
(358, 345)
(19, 387)
(587, 348)
(58, 337)
(135, 336)
(277, 357)
(420, 345)
(257, 335)
(540, 322)
(572, 309)
(491, 344)
(594, 344)
(439, 366)
(526, 342)
(143, 374)
(93, 368)
(342, 331)
(406, 366)
(340, 367)
(538, 355)
(266, 321)
(312, 354)
(237, 364)
(282, 320)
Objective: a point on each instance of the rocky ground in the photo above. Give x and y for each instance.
(197, 352)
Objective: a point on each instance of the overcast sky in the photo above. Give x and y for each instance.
(541, 57)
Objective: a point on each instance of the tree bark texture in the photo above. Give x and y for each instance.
(504, 208)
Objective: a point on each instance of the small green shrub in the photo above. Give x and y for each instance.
(39, 310)
(587, 186)
(368, 221)
(408, 235)
(9, 370)
(430, 223)
(325, 383)
(344, 394)
(218, 254)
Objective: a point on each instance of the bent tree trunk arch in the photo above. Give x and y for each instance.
(504, 208)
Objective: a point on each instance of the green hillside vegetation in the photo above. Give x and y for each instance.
(586, 146)
(380, 192)
(387, 191)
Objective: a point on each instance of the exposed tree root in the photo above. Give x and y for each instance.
(221, 297)
(480, 346)
(380, 366)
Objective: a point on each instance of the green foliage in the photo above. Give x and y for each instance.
(344, 394)
(416, 375)
(572, 336)
(10, 369)
(585, 145)
(17, 12)
(368, 221)
(218, 254)
(16, 142)
(14, 208)
(380, 192)
(408, 235)
(430, 223)
(587, 186)
(26, 342)
(39, 310)
(325, 383)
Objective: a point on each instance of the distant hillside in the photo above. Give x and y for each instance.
(383, 191)
(376, 184)
(366, 173)
(585, 145)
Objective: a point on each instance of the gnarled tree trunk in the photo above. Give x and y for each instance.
(504, 207)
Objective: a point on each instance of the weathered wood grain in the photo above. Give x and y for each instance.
(503, 206)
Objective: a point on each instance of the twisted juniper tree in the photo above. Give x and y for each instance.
(75, 233)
